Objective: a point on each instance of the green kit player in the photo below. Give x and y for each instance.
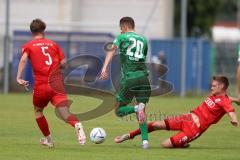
(134, 78)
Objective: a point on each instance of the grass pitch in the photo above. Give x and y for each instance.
(19, 135)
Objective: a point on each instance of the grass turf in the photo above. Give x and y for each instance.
(19, 134)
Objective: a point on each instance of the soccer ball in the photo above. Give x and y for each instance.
(98, 135)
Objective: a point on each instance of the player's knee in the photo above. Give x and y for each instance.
(118, 113)
(163, 145)
(38, 112)
(167, 144)
(159, 125)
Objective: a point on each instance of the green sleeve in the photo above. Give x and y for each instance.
(117, 40)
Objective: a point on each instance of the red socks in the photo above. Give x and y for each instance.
(72, 120)
(150, 127)
(43, 125)
(138, 131)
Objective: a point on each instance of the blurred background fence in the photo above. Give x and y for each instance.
(79, 43)
(84, 26)
(225, 61)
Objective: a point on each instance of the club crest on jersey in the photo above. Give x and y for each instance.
(217, 100)
(210, 102)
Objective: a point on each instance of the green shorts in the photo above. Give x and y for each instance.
(135, 87)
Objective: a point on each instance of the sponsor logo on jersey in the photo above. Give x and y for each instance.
(209, 102)
(217, 100)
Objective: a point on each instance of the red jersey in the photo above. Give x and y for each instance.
(212, 110)
(45, 56)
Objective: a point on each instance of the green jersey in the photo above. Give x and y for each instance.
(133, 51)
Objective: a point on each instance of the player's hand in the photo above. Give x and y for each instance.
(104, 74)
(235, 124)
(23, 83)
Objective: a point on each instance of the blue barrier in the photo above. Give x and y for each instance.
(197, 62)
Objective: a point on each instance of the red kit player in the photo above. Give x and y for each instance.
(47, 58)
(193, 124)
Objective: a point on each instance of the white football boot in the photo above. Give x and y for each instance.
(145, 144)
(47, 141)
(80, 133)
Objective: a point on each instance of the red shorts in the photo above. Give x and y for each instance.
(188, 129)
(43, 94)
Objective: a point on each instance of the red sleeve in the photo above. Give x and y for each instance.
(60, 53)
(25, 49)
(227, 106)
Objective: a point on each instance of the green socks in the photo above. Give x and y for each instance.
(144, 130)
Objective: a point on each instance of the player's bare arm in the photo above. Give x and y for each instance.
(21, 68)
(63, 64)
(233, 117)
(235, 100)
(109, 56)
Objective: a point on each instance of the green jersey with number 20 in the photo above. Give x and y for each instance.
(133, 51)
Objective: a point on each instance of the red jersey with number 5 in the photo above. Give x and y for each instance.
(212, 110)
(45, 56)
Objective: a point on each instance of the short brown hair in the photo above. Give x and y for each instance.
(127, 21)
(37, 26)
(221, 79)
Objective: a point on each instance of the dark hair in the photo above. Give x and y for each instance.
(37, 26)
(221, 79)
(128, 21)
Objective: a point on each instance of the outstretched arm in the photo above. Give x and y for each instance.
(233, 118)
(235, 100)
(109, 56)
(21, 67)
